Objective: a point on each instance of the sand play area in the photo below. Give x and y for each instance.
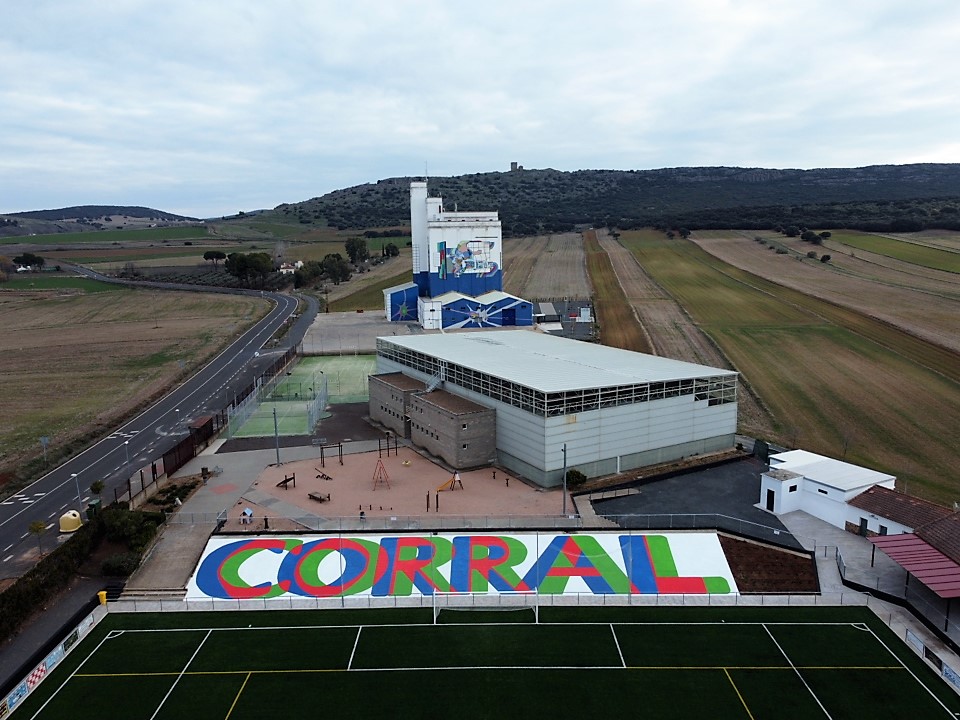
(403, 491)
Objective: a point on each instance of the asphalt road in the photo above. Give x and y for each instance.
(142, 439)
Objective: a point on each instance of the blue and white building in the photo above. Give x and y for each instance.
(457, 270)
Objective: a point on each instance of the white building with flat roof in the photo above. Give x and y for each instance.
(613, 410)
(816, 484)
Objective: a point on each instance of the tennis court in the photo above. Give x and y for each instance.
(344, 377)
(596, 662)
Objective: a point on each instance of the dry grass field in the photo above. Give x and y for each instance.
(921, 301)
(72, 363)
(838, 381)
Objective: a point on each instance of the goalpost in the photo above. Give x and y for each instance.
(525, 601)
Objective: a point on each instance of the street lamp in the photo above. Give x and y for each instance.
(126, 447)
(79, 499)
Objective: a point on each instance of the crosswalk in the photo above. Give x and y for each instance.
(122, 435)
(23, 498)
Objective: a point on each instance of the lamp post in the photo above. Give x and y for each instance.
(79, 499)
(126, 448)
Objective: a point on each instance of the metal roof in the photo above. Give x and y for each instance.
(827, 471)
(923, 561)
(551, 364)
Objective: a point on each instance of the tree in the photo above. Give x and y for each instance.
(683, 232)
(391, 250)
(30, 260)
(215, 256)
(38, 528)
(824, 258)
(96, 487)
(356, 250)
(809, 236)
(825, 234)
(791, 231)
(336, 268)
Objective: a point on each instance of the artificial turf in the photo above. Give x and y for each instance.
(614, 662)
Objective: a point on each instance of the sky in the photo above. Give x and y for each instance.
(208, 107)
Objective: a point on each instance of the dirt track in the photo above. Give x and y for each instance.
(670, 330)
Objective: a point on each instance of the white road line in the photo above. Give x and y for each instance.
(787, 657)
(24, 536)
(8, 558)
(8, 547)
(50, 526)
(52, 514)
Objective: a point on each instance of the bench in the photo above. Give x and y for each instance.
(319, 497)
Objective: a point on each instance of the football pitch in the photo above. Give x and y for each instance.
(715, 663)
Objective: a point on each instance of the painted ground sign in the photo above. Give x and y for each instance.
(325, 566)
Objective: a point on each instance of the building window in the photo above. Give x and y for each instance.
(464, 446)
(464, 426)
(821, 491)
(793, 488)
(883, 529)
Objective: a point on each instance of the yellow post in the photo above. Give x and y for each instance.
(103, 597)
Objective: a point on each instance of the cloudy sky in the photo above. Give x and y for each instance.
(207, 107)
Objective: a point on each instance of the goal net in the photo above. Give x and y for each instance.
(468, 607)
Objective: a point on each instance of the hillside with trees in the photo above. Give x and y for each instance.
(879, 198)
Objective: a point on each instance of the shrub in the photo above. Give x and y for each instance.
(781, 251)
(575, 479)
(812, 255)
(825, 258)
(121, 564)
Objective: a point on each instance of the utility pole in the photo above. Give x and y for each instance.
(276, 434)
(564, 478)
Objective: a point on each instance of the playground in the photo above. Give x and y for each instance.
(786, 663)
(296, 396)
(383, 484)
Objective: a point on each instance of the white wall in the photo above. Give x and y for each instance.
(874, 522)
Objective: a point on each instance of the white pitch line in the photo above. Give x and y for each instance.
(802, 679)
(897, 658)
(355, 643)
(619, 651)
(181, 674)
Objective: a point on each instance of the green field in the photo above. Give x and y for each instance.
(783, 663)
(101, 236)
(370, 297)
(904, 250)
(839, 383)
(58, 282)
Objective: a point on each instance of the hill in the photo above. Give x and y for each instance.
(87, 217)
(531, 201)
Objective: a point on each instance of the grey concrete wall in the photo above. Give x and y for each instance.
(388, 406)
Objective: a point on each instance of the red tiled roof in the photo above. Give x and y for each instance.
(930, 566)
(944, 535)
(904, 509)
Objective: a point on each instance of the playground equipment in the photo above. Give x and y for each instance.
(321, 475)
(380, 475)
(452, 483)
(287, 480)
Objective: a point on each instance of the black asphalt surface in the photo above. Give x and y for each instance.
(717, 497)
